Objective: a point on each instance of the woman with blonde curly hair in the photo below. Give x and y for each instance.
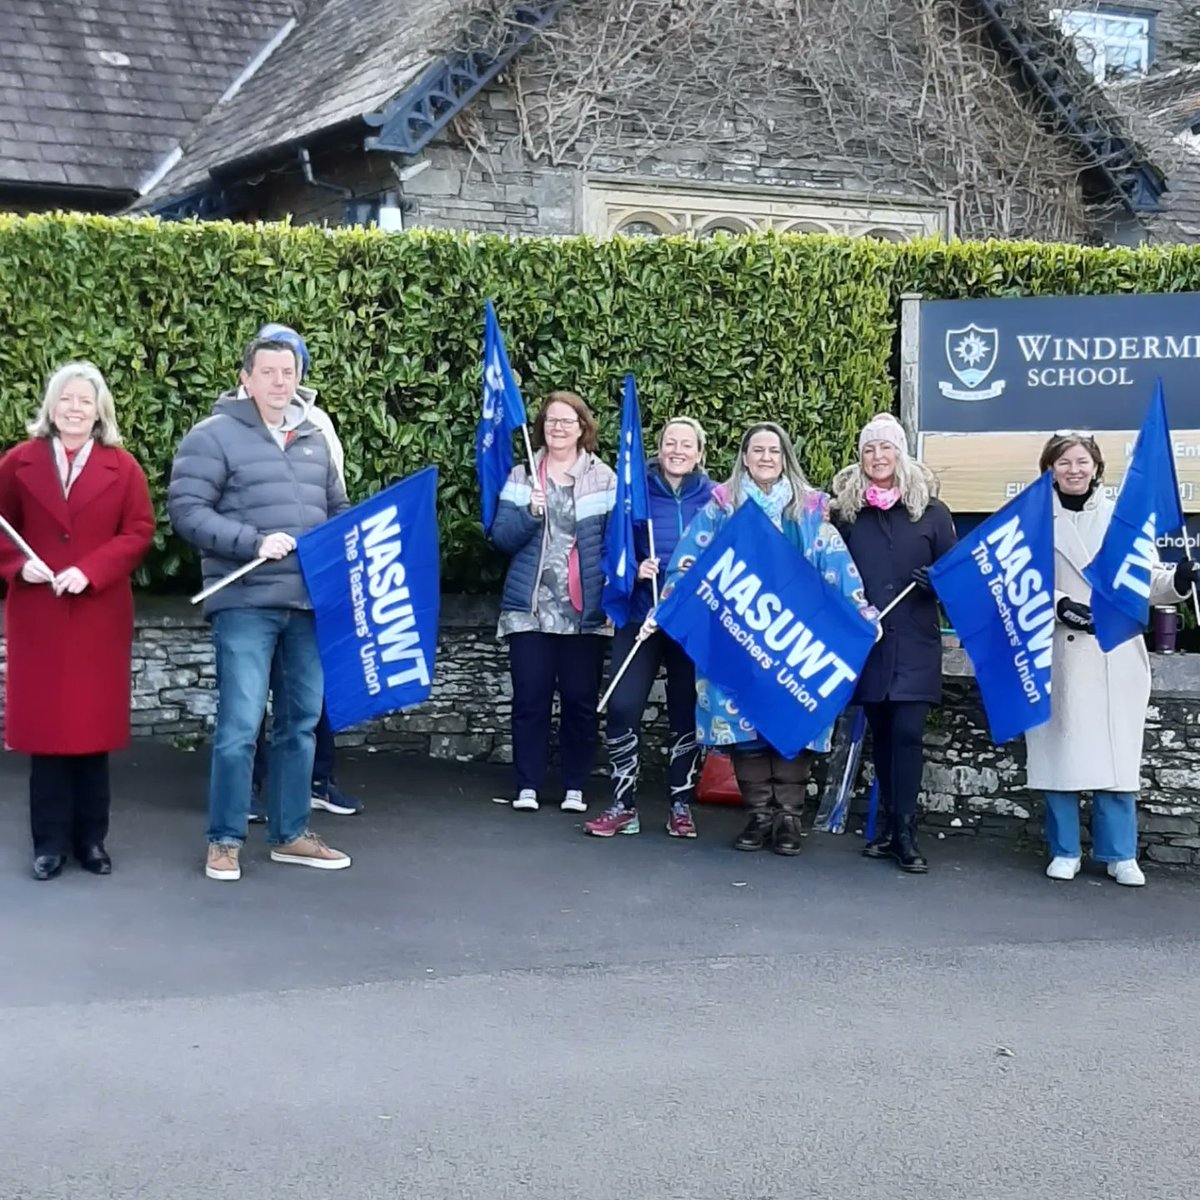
(887, 508)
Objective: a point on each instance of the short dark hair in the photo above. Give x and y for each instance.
(588, 429)
(275, 344)
(1060, 443)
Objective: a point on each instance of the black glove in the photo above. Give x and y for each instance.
(1075, 616)
(921, 578)
(1186, 573)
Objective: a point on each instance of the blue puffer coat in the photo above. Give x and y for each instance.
(521, 535)
(670, 513)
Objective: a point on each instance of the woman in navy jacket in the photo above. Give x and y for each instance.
(678, 488)
(887, 510)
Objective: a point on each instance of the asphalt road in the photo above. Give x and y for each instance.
(489, 1005)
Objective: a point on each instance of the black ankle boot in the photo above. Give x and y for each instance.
(758, 829)
(880, 846)
(905, 851)
(785, 833)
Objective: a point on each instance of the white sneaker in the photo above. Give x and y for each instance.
(573, 801)
(526, 800)
(1127, 873)
(1063, 868)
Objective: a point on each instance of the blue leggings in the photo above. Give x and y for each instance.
(1114, 825)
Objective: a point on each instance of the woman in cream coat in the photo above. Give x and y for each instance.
(1093, 740)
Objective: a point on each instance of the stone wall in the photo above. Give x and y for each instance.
(972, 787)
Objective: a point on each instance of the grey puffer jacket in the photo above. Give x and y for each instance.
(231, 485)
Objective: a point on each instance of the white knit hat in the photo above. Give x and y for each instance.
(884, 428)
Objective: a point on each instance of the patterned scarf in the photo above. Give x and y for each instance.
(773, 502)
(884, 498)
(70, 470)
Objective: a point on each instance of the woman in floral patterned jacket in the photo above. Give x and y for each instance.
(767, 473)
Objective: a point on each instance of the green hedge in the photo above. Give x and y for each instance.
(800, 329)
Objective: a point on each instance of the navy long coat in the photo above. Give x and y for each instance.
(888, 546)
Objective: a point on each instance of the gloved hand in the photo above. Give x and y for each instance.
(1075, 616)
(1187, 572)
(921, 578)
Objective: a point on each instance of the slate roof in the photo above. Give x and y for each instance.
(346, 58)
(96, 94)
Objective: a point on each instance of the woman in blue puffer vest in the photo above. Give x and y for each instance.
(679, 489)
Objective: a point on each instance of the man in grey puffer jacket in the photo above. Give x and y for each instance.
(246, 483)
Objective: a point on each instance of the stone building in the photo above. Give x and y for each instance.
(889, 117)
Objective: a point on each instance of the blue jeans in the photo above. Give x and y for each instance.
(257, 649)
(322, 758)
(1114, 825)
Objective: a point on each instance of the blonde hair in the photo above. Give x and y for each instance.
(791, 470)
(693, 425)
(105, 430)
(917, 483)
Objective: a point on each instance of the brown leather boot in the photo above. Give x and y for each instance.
(752, 768)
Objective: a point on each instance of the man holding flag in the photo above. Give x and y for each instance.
(1106, 573)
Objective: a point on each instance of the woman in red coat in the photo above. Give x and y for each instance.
(82, 506)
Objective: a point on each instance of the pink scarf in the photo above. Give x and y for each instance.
(884, 498)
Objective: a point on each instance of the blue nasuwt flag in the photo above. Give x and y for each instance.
(997, 586)
(1147, 507)
(503, 412)
(758, 620)
(372, 576)
(631, 507)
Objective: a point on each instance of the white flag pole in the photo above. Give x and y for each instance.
(643, 634)
(232, 577)
(533, 475)
(897, 600)
(653, 555)
(18, 541)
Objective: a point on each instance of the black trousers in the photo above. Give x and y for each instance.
(898, 740)
(68, 802)
(542, 663)
(628, 703)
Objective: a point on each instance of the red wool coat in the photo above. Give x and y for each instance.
(67, 690)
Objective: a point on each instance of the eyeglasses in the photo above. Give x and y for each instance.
(561, 422)
(1074, 433)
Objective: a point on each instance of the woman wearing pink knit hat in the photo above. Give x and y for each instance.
(887, 509)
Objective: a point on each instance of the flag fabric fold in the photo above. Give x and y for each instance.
(503, 413)
(630, 508)
(1147, 507)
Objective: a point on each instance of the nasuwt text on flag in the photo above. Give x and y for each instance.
(372, 576)
(759, 621)
(997, 586)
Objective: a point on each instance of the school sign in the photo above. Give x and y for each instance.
(989, 380)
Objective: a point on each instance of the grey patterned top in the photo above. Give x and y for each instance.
(555, 613)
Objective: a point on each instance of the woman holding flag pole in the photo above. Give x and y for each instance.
(767, 473)
(550, 520)
(677, 488)
(887, 509)
(1093, 740)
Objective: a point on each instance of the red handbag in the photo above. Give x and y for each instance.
(718, 784)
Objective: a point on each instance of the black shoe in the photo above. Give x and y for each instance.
(785, 834)
(46, 866)
(879, 847)
(758, 828)
(96, 860)
(906, 852)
